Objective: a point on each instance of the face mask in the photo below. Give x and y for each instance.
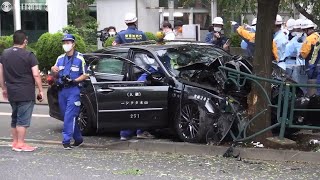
(67, 47)
(299, 34)
(217, 29)
(112, 33)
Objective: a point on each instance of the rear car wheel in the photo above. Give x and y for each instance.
(189, 123)
(85, 120)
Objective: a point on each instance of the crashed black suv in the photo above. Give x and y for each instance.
(180, 89)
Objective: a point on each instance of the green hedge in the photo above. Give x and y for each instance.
(151, 36)
(49, 47)
(109, 41)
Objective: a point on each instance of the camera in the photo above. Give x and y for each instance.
(103, 35)
(66, 80)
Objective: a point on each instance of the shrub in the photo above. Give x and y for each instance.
(109, 41)
(7, 39)
(49, 47)
(151, 36)
(70, 29)
(91, 48)
(235, 40)
(3, 45)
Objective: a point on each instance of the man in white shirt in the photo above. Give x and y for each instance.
(167, 29)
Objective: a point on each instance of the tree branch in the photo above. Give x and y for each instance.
(306, 14)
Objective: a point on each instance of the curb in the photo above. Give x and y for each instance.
(198, 149)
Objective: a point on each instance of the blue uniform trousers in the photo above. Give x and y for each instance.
(69, 103)
(129, 133)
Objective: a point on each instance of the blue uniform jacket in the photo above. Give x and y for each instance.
(281, 41)
(218, 42)
(75, 66)
(132, 34)
(293, 47)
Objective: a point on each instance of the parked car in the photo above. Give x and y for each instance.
(176, 94)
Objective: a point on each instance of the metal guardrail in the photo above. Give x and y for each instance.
(285, 106)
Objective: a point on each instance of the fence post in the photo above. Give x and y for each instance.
(284, 116)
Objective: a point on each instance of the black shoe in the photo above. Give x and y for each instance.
(67, 146)
(76, 144)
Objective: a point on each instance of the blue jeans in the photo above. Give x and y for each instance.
(21, 113)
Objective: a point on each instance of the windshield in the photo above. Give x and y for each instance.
(174, 58)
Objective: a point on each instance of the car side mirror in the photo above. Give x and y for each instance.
(91, 69)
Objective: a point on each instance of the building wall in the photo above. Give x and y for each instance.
(57, 15)
(111, 12)
(148, 19)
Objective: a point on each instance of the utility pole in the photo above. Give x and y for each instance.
(213, 9)
(16, 15)
(171, 11)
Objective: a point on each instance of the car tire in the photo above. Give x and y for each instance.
(189, 123)
(85, 120)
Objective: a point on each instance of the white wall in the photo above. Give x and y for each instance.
(112, 12)
(148, 19)
(57, 15)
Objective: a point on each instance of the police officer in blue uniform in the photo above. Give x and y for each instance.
(70, 70)
(132, 34)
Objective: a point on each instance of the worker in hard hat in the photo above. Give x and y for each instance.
(307, 48)
(290, 27)
(244, 44)
(132, 34)
(295, 65)
(294, 45)
(281, 40)
(216, 37)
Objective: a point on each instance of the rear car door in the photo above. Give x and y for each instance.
(124, 103)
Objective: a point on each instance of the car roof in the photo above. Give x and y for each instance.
(152, 45)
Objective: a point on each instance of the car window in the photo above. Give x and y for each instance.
(110, 65)
(145, 61)
(175, 57)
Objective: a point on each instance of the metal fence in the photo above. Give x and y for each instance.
(285, 106)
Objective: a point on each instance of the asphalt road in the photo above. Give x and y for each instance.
(52, 162)
(44, 127)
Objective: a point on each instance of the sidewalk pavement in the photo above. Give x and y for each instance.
(44, 102)
(169, 147)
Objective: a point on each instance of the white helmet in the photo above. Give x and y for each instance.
(306, 24)
(130, 18)
(298, 23)
(217, 20)
(290, 24)
(278, 20)
(254, 22)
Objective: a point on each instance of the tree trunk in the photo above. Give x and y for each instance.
(262, 65)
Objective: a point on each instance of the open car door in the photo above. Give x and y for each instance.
(125, 103)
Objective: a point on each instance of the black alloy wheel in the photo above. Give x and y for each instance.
(188, 123)
(85, 120)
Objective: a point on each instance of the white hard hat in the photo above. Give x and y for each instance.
(278, 20)
(130, 18)
(306, 24)
(217, 20)
(298, 23)
(254, 22)
(290, 24)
